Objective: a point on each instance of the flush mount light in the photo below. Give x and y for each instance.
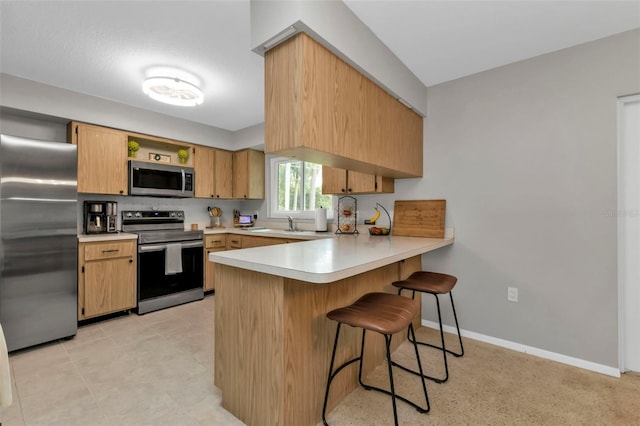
(172, 91)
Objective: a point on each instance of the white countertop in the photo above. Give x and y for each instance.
(328, 259)
(269, 232)
(90, 238)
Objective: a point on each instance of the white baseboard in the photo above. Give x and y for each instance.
(576, 362)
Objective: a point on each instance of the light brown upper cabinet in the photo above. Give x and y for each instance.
(214, 170)
(320, 109)
(248, 174)
(341, 182)
(203, 164)
(223, 174)
(102, 158)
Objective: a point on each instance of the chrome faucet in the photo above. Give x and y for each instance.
(290, 219)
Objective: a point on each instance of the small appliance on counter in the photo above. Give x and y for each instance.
(100, 217)
(244, 221)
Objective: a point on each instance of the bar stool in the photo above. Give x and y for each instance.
(433, 283)
(382, 313)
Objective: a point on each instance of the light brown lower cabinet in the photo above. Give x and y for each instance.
(106, 277)
(222, 242)
(212, 243)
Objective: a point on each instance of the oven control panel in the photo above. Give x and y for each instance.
(152, 215)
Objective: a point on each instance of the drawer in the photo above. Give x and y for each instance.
(234, 242)
(93, 251)
(215, 241)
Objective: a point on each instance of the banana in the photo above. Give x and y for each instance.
(375, 217)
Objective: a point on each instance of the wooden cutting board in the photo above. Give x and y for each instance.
(419, 218)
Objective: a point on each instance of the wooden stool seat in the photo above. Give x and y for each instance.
(433, 283)
(386, 314)
(383, 313)
(428, 282)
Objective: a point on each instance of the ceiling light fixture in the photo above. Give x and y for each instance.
(172, 91)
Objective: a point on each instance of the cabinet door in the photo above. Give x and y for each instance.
(240, 174)
(109, 286)
(203, 161)
(251, 241)
(223, 174)
(210, 269)
(341, 182)
(248, 174)
(102, 159)
(334, 181)
(360, 183)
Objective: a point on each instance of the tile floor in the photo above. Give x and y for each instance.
(154, 369)
(157, 369)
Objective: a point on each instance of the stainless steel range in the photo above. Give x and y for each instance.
(169, 259)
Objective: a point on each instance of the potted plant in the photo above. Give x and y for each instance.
(133, 146)
(183, 154)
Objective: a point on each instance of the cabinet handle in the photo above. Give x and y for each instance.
(130, 260)
(217, 241)
(122, 191)
(111, 251)
(343, 190)
(217, 196)
(350, 189)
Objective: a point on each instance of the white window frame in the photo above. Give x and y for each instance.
(272, 206)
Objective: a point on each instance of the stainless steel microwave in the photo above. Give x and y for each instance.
(160, 180)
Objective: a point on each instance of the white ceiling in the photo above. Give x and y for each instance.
(106, 48)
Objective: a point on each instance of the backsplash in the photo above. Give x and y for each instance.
(195, 209)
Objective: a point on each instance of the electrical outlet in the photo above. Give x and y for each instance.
(512, 294)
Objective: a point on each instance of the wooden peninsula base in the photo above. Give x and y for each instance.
(273, 341)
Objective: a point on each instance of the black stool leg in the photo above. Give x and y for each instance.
(330, 378)
(424, 385)
(390, 363)
(455, 317)
(443, 348)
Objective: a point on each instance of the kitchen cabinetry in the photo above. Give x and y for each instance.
(234, 242)
(341, 182)
(320, 109)
(203, 164)
(102, 158)
(214, 169)
(249, 241)
(248, 174)
(223, 173)
(212, 243)
(106, 277)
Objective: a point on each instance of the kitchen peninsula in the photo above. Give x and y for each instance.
(272, 338)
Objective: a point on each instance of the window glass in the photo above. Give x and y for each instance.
(298, 188)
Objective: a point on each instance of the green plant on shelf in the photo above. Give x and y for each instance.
(133, 146)
(183, 154)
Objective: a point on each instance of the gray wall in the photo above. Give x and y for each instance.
(525, 155)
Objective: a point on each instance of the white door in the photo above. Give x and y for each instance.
(629, 231)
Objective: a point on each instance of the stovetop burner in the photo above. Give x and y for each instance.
(158, 226)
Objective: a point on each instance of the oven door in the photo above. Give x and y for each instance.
(156, 288)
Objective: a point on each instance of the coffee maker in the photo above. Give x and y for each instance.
(100, 217)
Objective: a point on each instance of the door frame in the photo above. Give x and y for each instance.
(622, 211)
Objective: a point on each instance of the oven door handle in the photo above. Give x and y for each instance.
(159, 247)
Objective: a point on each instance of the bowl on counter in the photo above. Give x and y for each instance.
(379, 230)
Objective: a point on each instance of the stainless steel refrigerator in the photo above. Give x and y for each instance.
(38, 241)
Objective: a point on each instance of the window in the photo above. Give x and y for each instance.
(296, 188)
